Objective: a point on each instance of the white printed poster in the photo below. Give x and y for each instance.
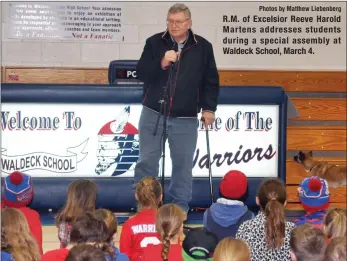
(66, 21)
(72, 140)
(245, 35)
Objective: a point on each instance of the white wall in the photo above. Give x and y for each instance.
(141, 20)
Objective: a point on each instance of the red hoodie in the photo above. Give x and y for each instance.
(137, 232)
(153, 253)
(34, 222)
(55, 255)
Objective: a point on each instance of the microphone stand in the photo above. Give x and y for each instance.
(164, 101)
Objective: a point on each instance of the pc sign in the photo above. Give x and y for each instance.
(131, 74)
(123, 72)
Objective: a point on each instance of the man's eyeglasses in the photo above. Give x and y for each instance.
(177, 23)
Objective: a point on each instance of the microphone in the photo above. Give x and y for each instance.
(173, 46)
(174, 49)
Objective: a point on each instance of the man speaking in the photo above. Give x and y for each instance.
(192, 87)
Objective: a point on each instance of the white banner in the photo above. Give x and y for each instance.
(65, 21)
(71, 140)
(44, 161)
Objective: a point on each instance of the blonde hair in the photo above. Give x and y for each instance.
(336, 250)
(230, 249)
(110, 220)
(169, 222)
(335, 223)
(16, 236)
(80, 199)
(307, 243)
(148, 193)
(180, 8)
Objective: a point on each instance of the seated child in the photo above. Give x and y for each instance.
(17, 242)
(307, 243)
(80, 199)
(225, 216)
(169, 224)
(335, 223)
(315, 197)
(111, 222)
(199, 244)
(336, 250)
(139, 230)
(267, 235)
(85, 230)
(230, 249)
(18, 193)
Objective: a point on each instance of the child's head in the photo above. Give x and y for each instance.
(169, 225)
(271, 198)
(85, 252)
(111, 222)
(335, 223)
(314, 194)
(307, 243)
(336, 250)
(88, 230)
(234, 186)
(199, 244)
(18, 190)
(81, 198)
(16, 236)
(232, 249)
(149, 193)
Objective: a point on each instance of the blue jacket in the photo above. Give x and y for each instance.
(118, 256)
(224, 217)
(5, 256)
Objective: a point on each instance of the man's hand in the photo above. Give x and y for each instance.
(208, 118)
(169, 57)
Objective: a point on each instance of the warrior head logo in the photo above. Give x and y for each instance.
(118, 146)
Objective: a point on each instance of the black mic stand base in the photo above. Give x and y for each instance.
(164, 101)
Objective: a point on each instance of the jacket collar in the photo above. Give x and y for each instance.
(166, 35)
